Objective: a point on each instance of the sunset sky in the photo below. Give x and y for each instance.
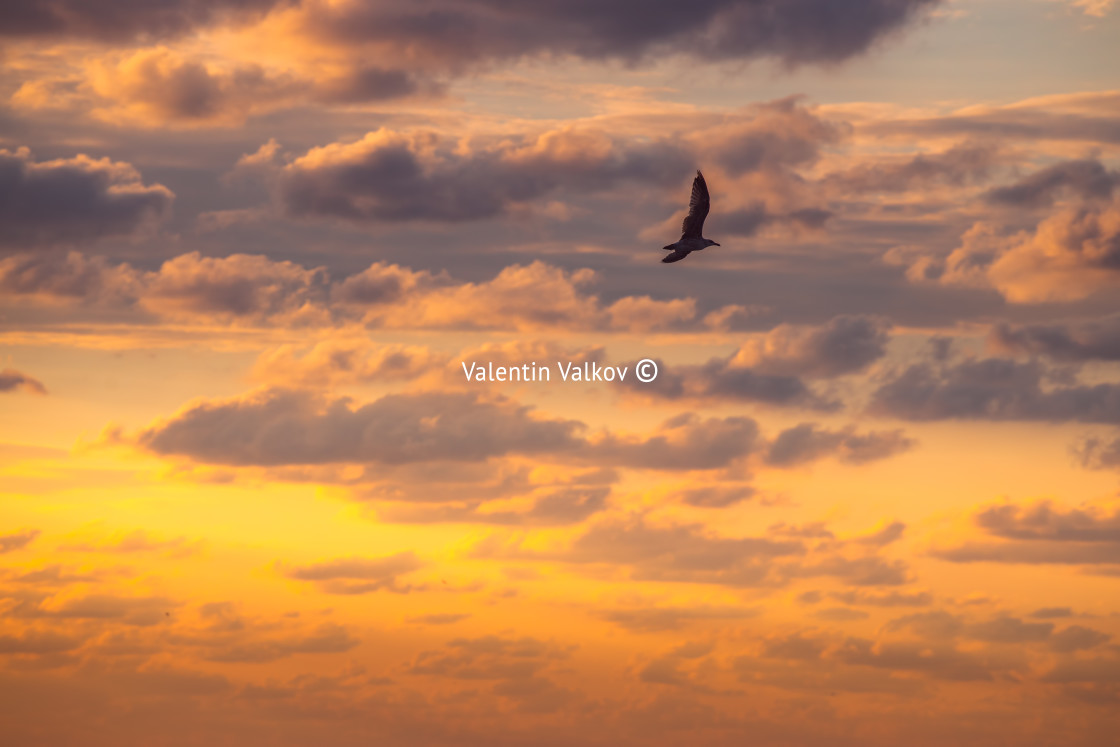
(249, 497)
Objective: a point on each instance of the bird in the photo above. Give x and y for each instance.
(692, 239)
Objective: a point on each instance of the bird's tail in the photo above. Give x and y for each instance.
(670, 247)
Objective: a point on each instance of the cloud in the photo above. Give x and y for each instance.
(843, 345)
(278, 427)
(960, 165)
(438, 619)
(1095, 339)
(807, 442)
(118, 20)
(17, 540)
(38, 643)
(471, 33)
(725, 379)
(685, 442)
(73, 200)
(71, 278)
(245, 289)
(328, 638)
(139, 541)
(940, 662)
(657, 619)
(130, 610)
(1042, 533)
(1087, 179)
(390, 176)
(358, 575)
(1098, 453)
(1077, 638)
(240, 286)
(859, 597)
(11, 379)
(692, 554)
(992, 389)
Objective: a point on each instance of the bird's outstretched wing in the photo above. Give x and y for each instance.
(698, 206)
(676, 256)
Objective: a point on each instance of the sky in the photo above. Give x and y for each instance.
(250, 493)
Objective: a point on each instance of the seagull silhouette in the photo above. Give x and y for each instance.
(692, 240)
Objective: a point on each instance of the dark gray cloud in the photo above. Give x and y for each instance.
(728, 379)
(471, 32)
(279, 427)
(655, 619)
(1077, 638)
(17, 540)
(558, 507)
(1079, 117)
(685, 442)
(118, 20)
(717, 496)
(892, 598)
(358, 575)
(516, 665)
(1096, 339)
(957, 166)
(808, 442)
(73, 200)
(328, 638)
(993, 389)
(365, 83)
(37, 642)
(942, 662)
(750, 220)
(689, 553)
(449, 618)
(391, 177)
(1042, 533)
(459, 34)
(11, 379)
(129, 610)
(843, 345)
(1086, 178)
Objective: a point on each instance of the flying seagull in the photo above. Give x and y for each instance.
(692, 240)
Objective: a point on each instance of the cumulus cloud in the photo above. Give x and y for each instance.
(71, 200)
(1094, 339)
(11, 380)
(685, 442)
(557, 507)
(960, 165)
(117, 20)
(723, 378)
(390, 176)
(358, 575)
(993, 389)
(245, 289)
(278, 427)
(471, 32)
(1042, 533)
(692, 554)
(1087, 179)
(808, 442)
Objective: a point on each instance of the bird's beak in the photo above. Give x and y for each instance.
(716, 243)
